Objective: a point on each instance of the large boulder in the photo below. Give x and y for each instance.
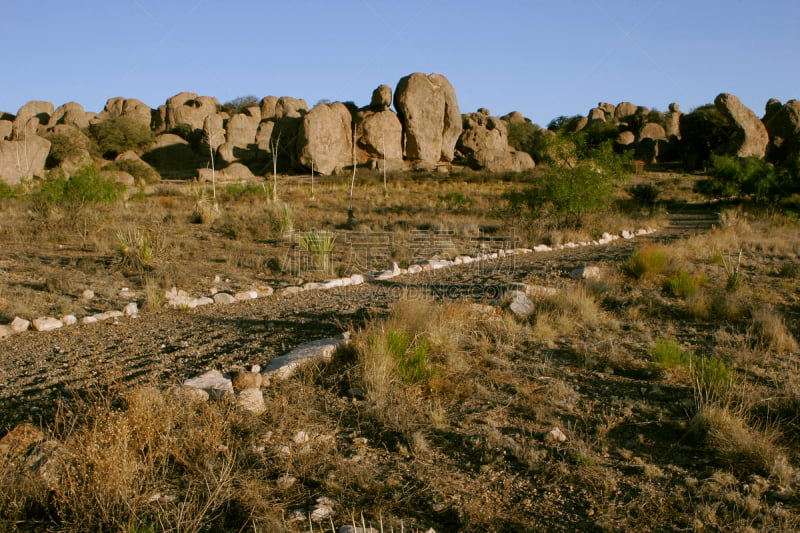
(515, 117)
(127, 107)
(624, 111)
(652, 141)
(70, 114)
(31, 119)
(381, 98)
(428, 108)
(268, 105)
(189, 108)
(379, 135)
(22, 159)
(597, 114)
(214, 131)
(750, 135)
(325, 142)
(784, 128)
(484, 143)
(672, 122)
(240, 135)
(289, 107)
(6, 128)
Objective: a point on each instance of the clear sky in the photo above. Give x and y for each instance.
(542, 58)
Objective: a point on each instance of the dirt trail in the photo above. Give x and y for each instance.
(38, 368)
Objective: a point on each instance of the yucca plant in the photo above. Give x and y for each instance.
(320, 245)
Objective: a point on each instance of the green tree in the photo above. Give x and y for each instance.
(116, 135)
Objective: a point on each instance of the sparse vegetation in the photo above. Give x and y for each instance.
(116, 135)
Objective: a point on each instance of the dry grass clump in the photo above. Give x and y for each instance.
(568, 310)
(646, 262)
(742, 447)
(770, 330)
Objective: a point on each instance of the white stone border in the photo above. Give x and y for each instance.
(178, 299)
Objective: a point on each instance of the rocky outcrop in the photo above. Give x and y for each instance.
(672, 122)
(173, 157)
(650, 142)
(597, 114)
(289, 107)
(428, 109)
(783, 125)
(32, 119)
(189, 108)
(624, 111)
(484, 143)
(515, 117)
(70, 148)
(240, 135)
(23, 159)
(750, 135)
(6, 128)
(379, 135)
(325, 139)
(214, 131)
(381, 98)
(71, 114)
(127, 107)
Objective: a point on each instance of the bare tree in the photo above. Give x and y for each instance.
(274, 145)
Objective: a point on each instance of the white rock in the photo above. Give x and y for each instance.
(542, 248)
(627, 234)
(20, 324)
(555, 435)
(570, 245)
(520, 304)
(47, 323)
(312, 286)
(414, 269)
(88, 294)
(286, 365)
(321, 513)
(301, 437)
(524, 250)
(131, 309)
(88, 320)
(465, 259)
(6, 331)
(289, 291)
(203, 300)
(265, 291)
(69, 320)
(331, 284)
(182, 302)
(107, 315)
(356, 279)
(458, 261)
(246, 295)
(224, 298)
(586, 272)
(251, 400)
(641, 231)
(213, 382)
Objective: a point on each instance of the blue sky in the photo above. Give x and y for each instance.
(543, 58)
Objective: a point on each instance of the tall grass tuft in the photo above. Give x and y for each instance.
(320, 245)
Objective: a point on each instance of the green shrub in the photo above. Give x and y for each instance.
(647, 261)
(703, 130)
(185, 131)
(116, 135)
(733, 177)
(712, 377)
(63, 147)
(141, 171)
(523, 136)
(236, 191)
(85, 188)
(564, 195)
(644, 194)
(683, 284)
(669, 354)
(9, 191)
(239, 104)
(411, 355)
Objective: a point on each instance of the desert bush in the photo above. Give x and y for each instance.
(683, 284)
(743, 448)
(9, 191)
(564, 195)
(669, 354)
(711, 376)
(703, 131)
(85, 188)
(645, 194)
(139, 249)
(732, 177)
(141, 171)
(239, 104)
(63, 147)
(523, 136)
(319, 244)
(193, 136)
(647, 261)
(116, 135)
(770, 329)
(235, 192)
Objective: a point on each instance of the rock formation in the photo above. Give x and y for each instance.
(484, 143)
(428, 108)
(71, 114)
(784, 128)
(31, 119)
(325, 139)
(240, 135)
(23, 159)
(188, 108)
(127, 107)
(750, 135)
(672, 122)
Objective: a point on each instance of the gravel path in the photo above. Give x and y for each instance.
(38, 368)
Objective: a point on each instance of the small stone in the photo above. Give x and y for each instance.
(301, 437)
(213, 382)
(555, 435)
(47, 324)
(321, 513)
(542, 248)
(251, 400)
(289, 291)
(204, 300)
(247, 380)
(246, 295)
(265, 291)
(88, 320)
(20, 324)
(6, 331)
(131, 309)
(520, 304)
(69, 320)
(414, 269)
(356, 279)
(224, 298)
(88, 294)
(586, 272)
